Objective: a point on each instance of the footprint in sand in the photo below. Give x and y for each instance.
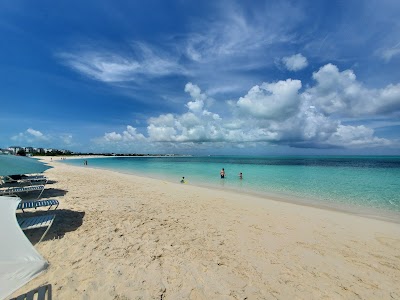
(389, 242)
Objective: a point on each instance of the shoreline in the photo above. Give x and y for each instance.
(360, 211)
(120, 236)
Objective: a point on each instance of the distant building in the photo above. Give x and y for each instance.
(5, 151)
(14, 149)
(38, 150)
(28, 149)
(34, 150)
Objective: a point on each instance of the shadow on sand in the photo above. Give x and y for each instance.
(66, 221)
(48, 193)
(51, 182)
(42, 292)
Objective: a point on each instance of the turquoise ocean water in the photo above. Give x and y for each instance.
(338, 181)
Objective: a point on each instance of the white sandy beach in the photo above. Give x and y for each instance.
(119, 236)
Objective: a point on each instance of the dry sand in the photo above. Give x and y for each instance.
(119, 236)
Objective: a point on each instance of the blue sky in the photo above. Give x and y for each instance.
(201, 77)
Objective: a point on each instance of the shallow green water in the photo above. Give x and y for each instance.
(359, 181)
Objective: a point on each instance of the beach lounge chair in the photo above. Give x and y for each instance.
(38, 203)
(41, 293)
(23, 189)
(37, 222)
(23, 179)
(35, 178)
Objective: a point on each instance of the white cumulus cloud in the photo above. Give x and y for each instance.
(356, 136)
(195, 125)
(279, 113)
(295, 62)
(128, 135)
(30, 136)
(340, 93)
(272, 100)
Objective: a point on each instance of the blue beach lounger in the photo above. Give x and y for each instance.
(37, 222)
(23, 189)
(23, 179)
(35, 204)
(35, 178)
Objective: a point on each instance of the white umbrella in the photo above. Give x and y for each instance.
(19, 260)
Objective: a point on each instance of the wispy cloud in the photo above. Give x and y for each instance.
(37, 138)
(234, 34)
(388, 53)
(218, 46)
(108, 66)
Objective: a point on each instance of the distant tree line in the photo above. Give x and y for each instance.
(50, 153)
(55, 152)
(21, 152)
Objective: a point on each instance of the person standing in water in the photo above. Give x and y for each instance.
(240, 175)
(222, 173)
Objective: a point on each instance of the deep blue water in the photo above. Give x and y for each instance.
(358, 181)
